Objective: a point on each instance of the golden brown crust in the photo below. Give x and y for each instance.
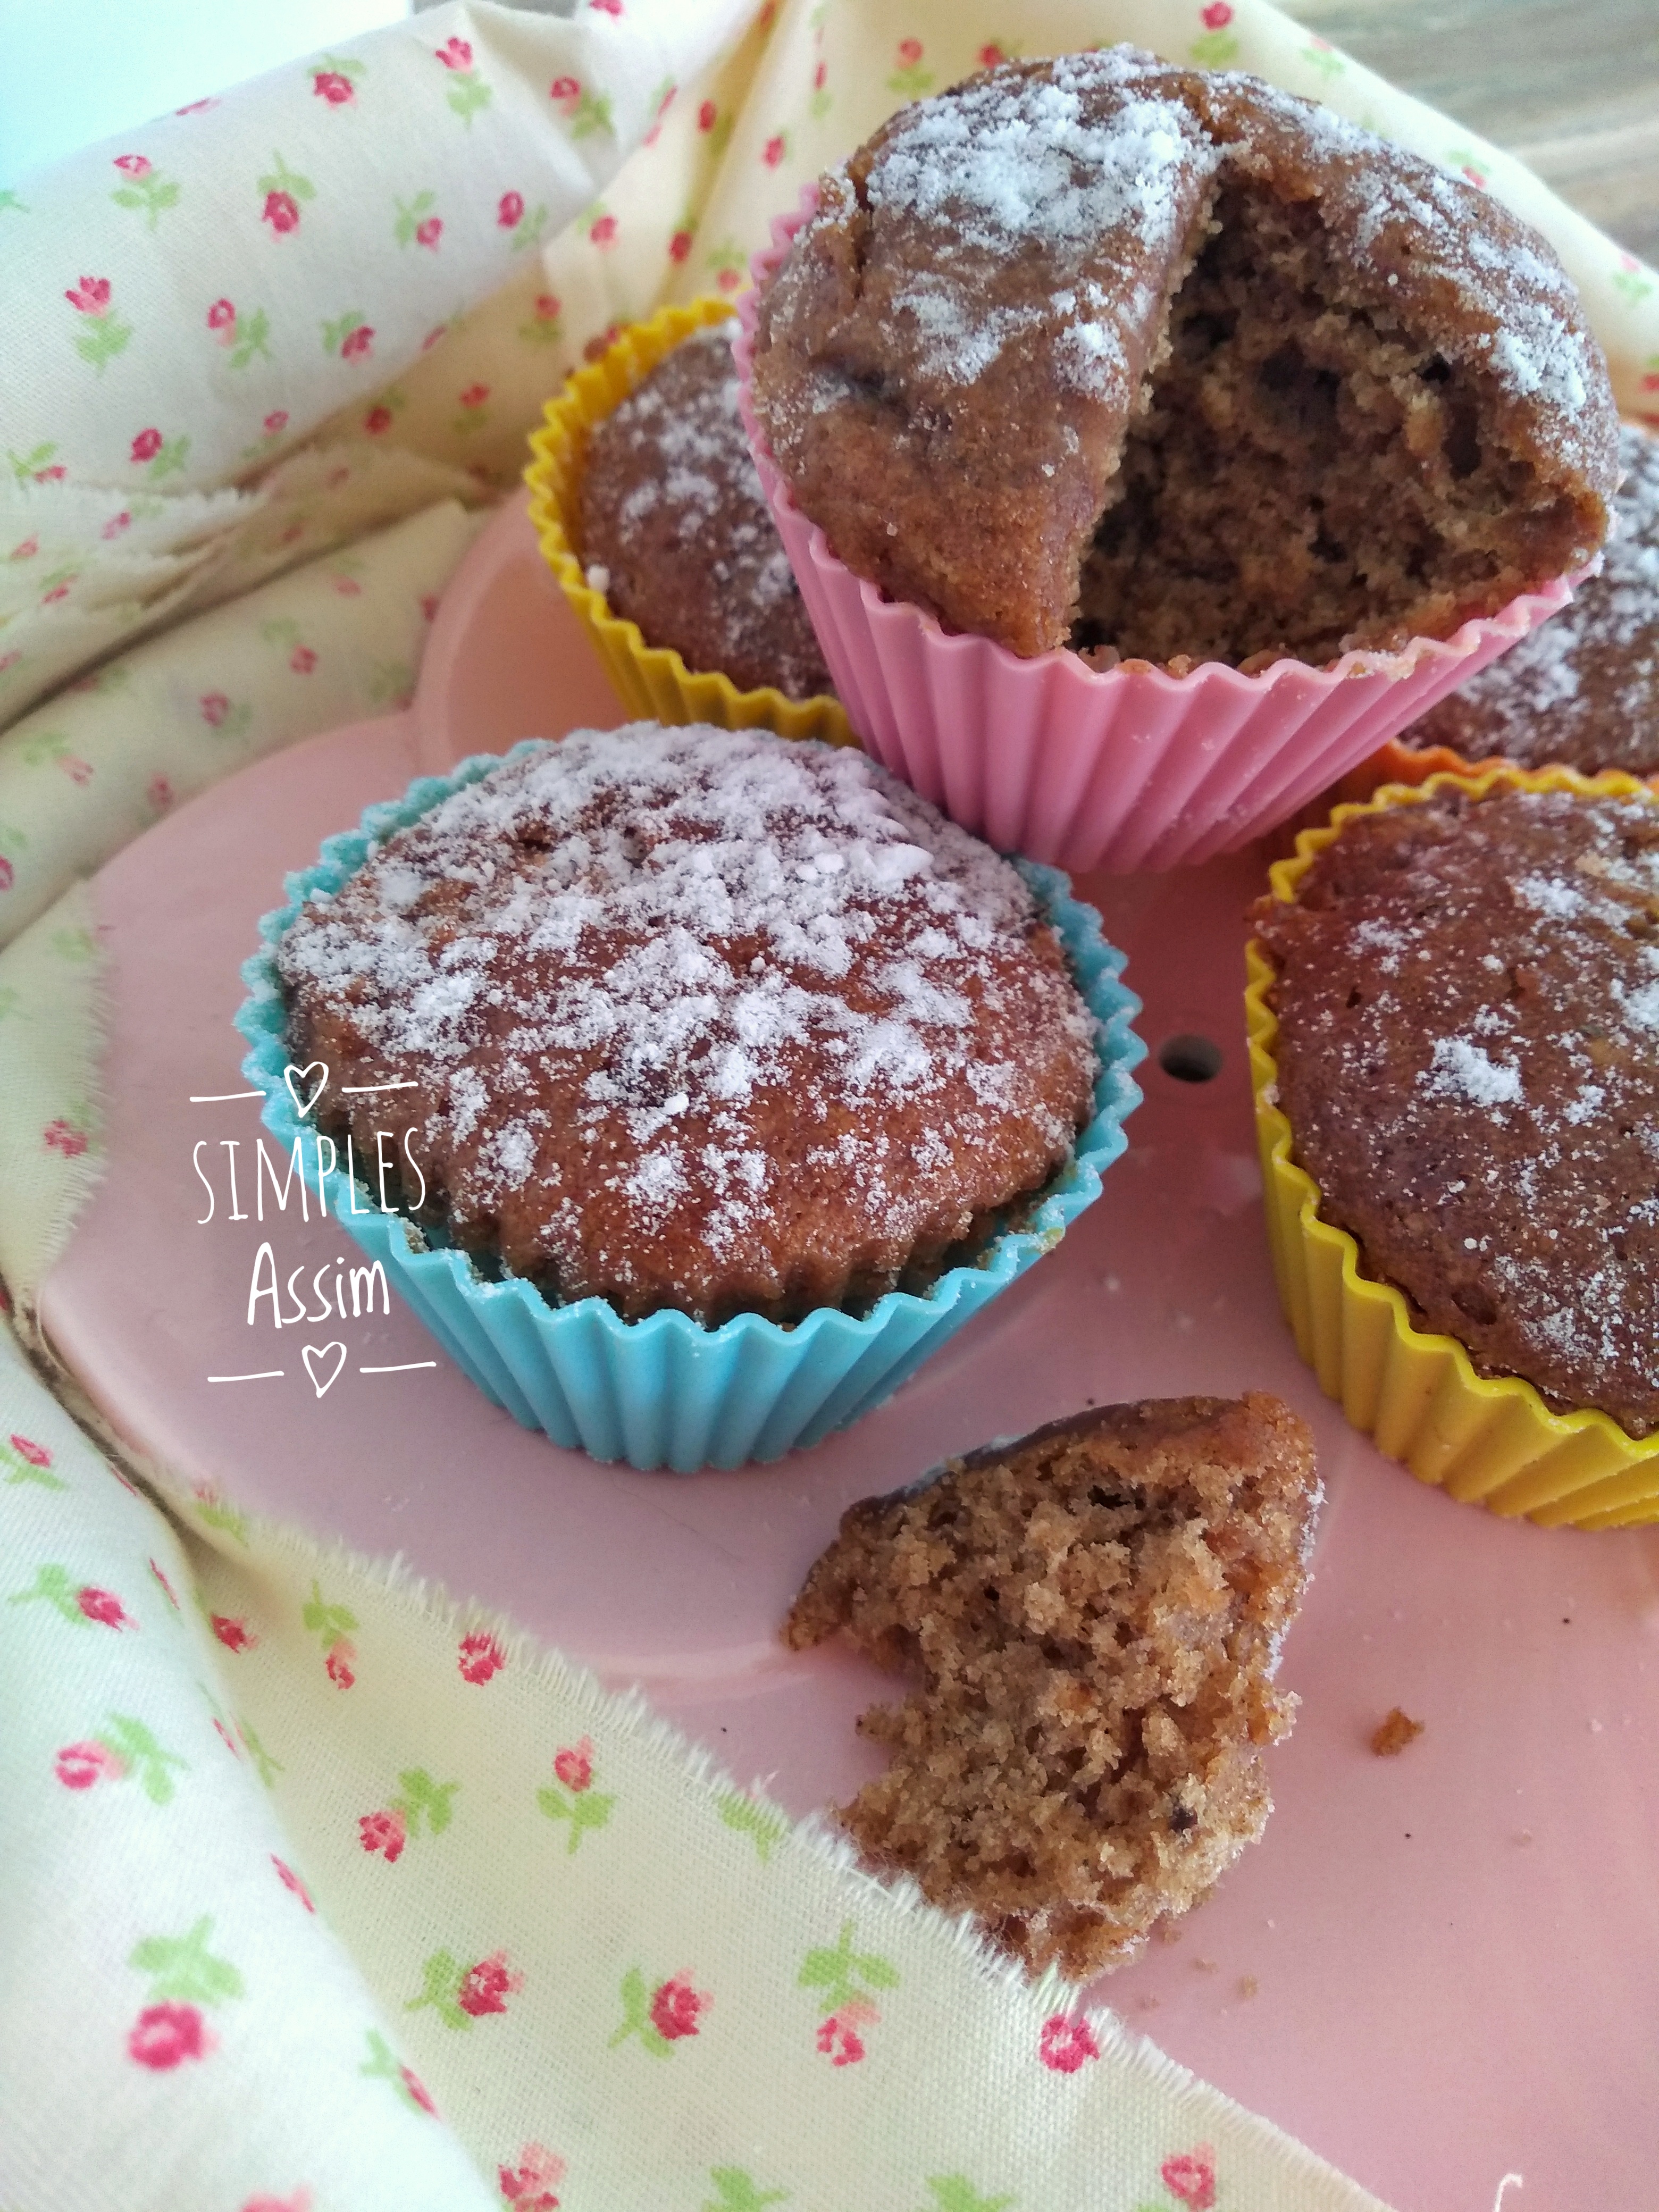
(1095, 1612)
(1007, 254)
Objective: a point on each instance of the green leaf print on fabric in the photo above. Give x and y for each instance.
(132, 1743)
(661, 2018)
(735, 2191)
(264, 1765)
(11, 204)
(350, 335)
(331, 1624)
(282, 189)
(954, 2192)
(383, 2064)
(415, 224)
(846, 1976)
(145, 188)
(214, 1512)
(764, 1829)
(1324, 57)
(183, 1970)
(23, 1459)
(462, 1995)
(468, 92)
(424, 1798)
(910, 80)
(83, 1603)
(102, 334)
(572, 1796)
(35, 467)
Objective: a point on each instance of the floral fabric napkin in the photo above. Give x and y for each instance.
(323, 1893)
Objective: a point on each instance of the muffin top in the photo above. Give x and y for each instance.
(699, 1018)
(1322, 394)
(676, 531)
(1468, 1057)
(1583, 689)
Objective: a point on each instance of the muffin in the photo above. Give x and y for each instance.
(675, 531)
(1584, 689)
(750, 611)
(1095, 1612)
(1465, 972)
(697, 1020)
(1280, 387)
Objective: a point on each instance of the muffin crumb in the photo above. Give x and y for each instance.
(1095, 1613)
(1391, 1736)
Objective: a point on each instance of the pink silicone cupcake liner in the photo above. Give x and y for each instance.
(1128, 768)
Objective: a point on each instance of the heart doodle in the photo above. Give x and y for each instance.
(319, 1067)
(315, 1357)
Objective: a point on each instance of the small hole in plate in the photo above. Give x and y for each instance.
(1190, 1059)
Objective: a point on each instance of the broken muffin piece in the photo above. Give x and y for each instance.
(1102, 350)
(1095, 1612)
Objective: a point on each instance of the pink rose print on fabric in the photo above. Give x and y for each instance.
(775, 149)
(134, 165)
(991, 56)
(487, 1986)
(529, 2185)
(429, 233)
(603, 230)
(282, 212)
(146, 445)
(606, 7)
(679, 245)
(475, 396)
(429, 613)
(300, 2201)
(574, 1767)
(290, 1881)
(510, 211)
(377, 420)
(462, 1995)
(26, 1460)
(1218, 16)
(158, 794)
(91, 297)
(385, 1832)
(565, 88)
(215, 707)
(677, 2008)
(454, 54)
(334, 83)
(166, 2035)
(663, 2017)
(220, 314)
(166, 1588)
(235, 1635)
(102, 334)
(61, 1136)
(481, 1655)
(1066, 2044)
(276, 422)
(184, 1975)
(116, 525)
(707, 115)
(1190, 2177)
(78, 1766)
(333, 1625)
(846, 1980)
(303, 660)
(838, 2036)
(103, 1606)
(356, 343)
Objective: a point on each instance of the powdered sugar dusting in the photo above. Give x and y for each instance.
(668, 985)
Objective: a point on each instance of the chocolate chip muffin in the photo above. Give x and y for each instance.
(1102, 351)
(1467, 996)
(1095, 1613)
(1583, 690)
(698, 1019)
(675, 530)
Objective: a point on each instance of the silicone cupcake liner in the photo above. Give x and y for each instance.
(1492, 1442)
(664, 1392)
(1128, 768)
(1398, 762)
(653, 680)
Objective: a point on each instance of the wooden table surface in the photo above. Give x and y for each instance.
(1570, 86)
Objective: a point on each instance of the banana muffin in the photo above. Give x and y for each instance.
(1467, 996)
(1095, 1613)
(698, 1019)
(1583, 689)
(676, 532)
(1172, 367)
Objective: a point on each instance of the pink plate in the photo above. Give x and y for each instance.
(1435, 1969)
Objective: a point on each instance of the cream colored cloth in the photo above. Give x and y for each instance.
(323, 1893)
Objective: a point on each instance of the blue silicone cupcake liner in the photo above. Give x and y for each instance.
(666, 1392)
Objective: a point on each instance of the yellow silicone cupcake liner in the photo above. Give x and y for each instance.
(653, 680)
(1494, 1442)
